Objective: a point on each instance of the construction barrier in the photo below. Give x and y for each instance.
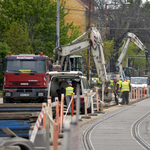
(138, 93)
(37, 124)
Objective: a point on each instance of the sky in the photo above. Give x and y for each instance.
(145, 1)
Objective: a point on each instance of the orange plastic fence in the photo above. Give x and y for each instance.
(72, 105)
(61, 112)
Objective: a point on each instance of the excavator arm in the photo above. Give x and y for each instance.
(95, 43)
(130, 37)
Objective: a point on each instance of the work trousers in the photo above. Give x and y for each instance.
(68, 99)
(125, 97)
(116, 99)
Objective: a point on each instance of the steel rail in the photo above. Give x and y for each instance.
(135, 132)
(86, 136)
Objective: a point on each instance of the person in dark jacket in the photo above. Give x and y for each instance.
(115, 89)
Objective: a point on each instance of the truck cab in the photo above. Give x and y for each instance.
(25, 78)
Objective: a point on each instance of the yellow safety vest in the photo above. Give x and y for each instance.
(115, 85)
(98, 80)
(125, 86)
(69, 91)
(111, 83)
(120, 83)
(128, 81)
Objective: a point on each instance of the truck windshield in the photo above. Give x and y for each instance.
(139, 80)
(25, 66)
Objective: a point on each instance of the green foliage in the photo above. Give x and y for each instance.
(133, 50)
(17, 39)
(109, 49)
(4, 49)
(40, 16)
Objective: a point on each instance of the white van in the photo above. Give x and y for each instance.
(139, 82)
(60, 80)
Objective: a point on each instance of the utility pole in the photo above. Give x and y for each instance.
(88, 51)
(57, 25)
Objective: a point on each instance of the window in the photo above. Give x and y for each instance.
(25, 66)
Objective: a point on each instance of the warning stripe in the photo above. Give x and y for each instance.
(37, 124)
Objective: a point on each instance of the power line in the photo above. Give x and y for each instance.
(126, 28)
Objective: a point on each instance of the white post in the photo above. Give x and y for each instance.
(136, 93)
(47, 129)
(92, 111)
(103, 86)
(66, 135)
(50, 112)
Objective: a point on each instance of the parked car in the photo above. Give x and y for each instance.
(139, 82)
(60, 80)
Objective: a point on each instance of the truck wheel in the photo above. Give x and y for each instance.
(89, 109)
(83, 110)
(6, 100)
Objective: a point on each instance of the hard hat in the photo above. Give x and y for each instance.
(129, 78)
(69, 84)
(115, 79)
(111, 78)
(120, 78)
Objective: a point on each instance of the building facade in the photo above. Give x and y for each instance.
(78, 13)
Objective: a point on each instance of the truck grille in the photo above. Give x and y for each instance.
(19, 83)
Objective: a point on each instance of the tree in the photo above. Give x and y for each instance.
(4, 49)
(121, 19)
(40, 16)
(17, 39)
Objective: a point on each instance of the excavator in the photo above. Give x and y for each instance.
(130, 37)
(63, 53)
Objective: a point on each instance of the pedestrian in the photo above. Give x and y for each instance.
(115, 89)
(125, 89)
(69, 91)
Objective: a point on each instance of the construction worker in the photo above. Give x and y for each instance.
(69, 91)
(125, 89)
(129, 80)
(115, 89)
(98, 82)
(111, 83)
(120, 83)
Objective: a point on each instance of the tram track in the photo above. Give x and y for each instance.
(86, 136)
(136, 134)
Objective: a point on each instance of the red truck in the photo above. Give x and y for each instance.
(25, 78)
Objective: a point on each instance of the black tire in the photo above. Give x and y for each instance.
(89, 109)
(6, 100)
(83, 110)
